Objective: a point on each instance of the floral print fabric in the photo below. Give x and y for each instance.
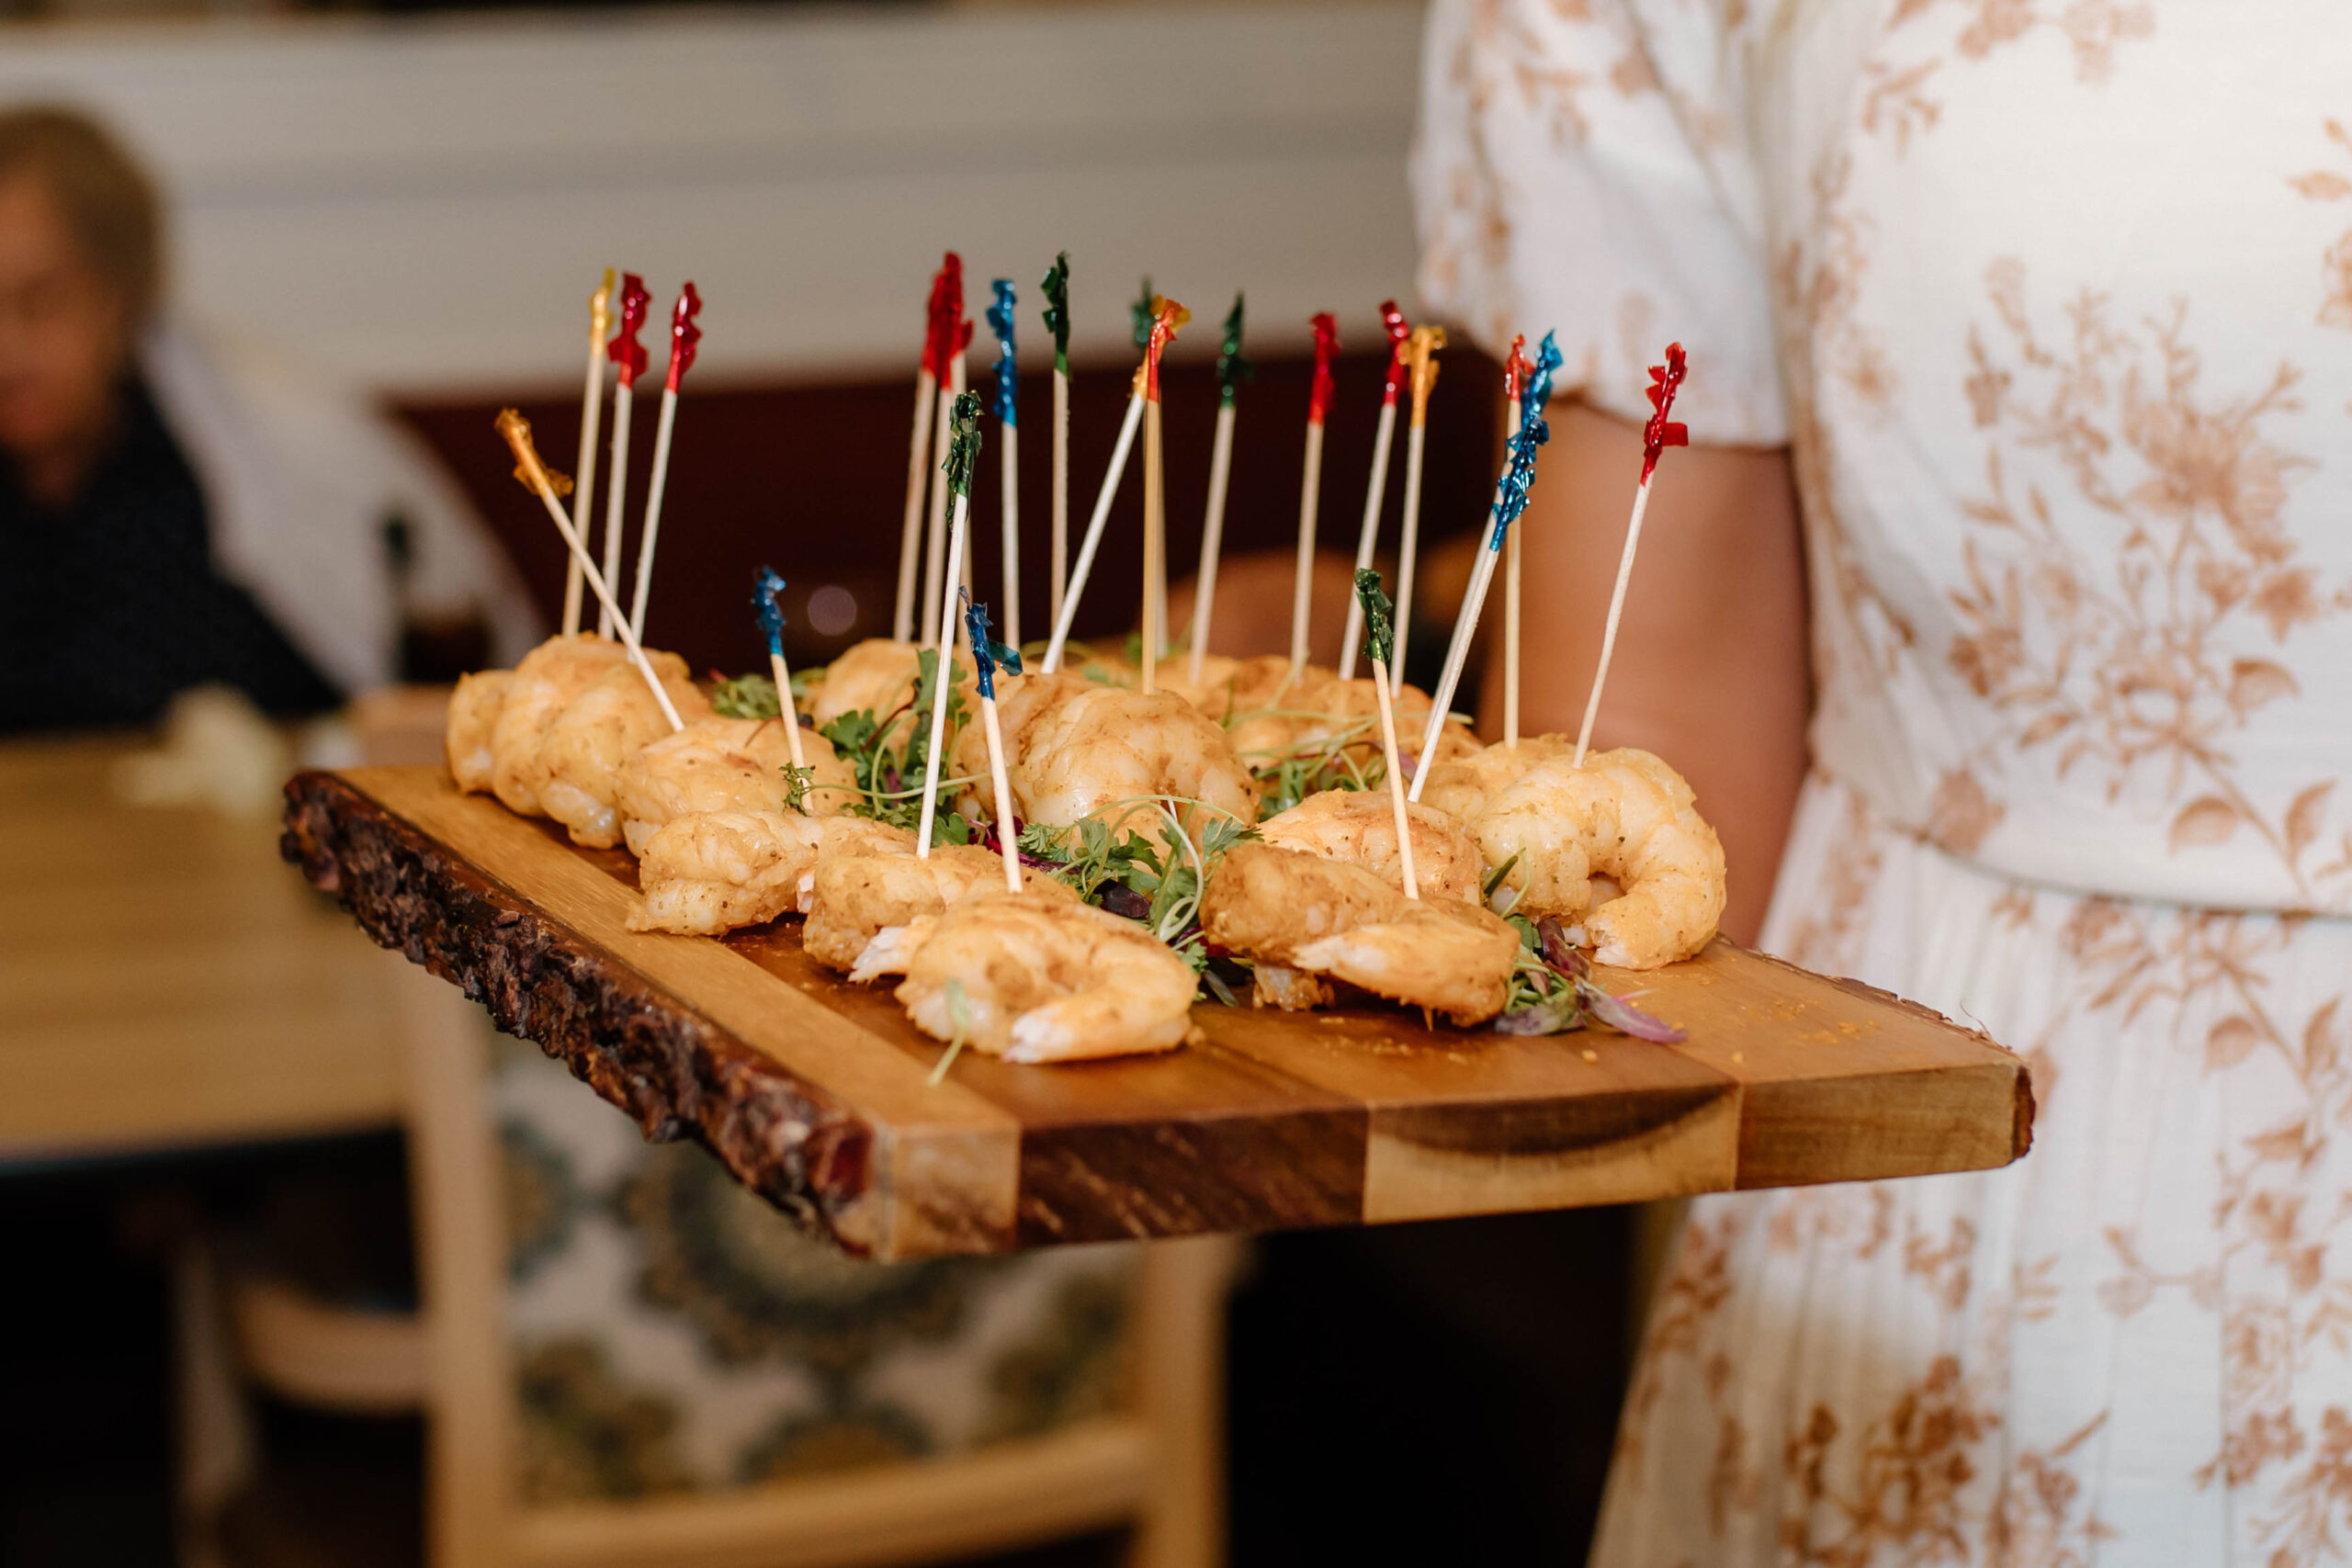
(674, 1333)
(2052, 302)
(2134, 1345)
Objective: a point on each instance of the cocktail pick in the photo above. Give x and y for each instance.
(1378, 617)
(767, 599)
(987, 654)
(962, 447)
(1140, 315)
(947, 280)
(684, 336)
(1510, 499)
(1232, 369)
(547, 485)
(1168, 319)
(628, 356)
(1514, 377)
(1656, 437)
(1318, 405)
(954, 337)
(1056, 288)
(1392, 321)
(1008, 424)
(591, 412)
(1420, 360)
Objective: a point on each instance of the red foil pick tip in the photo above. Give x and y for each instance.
(1515, 367)
(945, 314)
(1393, 322)
(1662, 433)
(626, 352)
(1326, 345)
(685, 335)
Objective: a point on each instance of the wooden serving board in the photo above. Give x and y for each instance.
(815, 1092)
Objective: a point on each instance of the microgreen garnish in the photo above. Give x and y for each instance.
(1154, 879)
(1553, 990)
(886, 756)
(753, 696)
(959, 1015)
(1495, 878)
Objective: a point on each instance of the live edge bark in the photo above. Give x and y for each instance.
(676, 1073)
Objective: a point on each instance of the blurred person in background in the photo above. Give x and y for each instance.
(175, 511)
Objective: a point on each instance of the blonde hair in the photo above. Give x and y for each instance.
(106, 198)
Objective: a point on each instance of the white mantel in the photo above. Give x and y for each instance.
(422, 205)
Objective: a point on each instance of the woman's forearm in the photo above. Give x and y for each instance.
(1709, 670)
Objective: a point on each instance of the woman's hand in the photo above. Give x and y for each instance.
(1709, 670)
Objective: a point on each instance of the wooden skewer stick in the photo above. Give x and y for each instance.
(547, 485)
(628, 356)
(1155, 536)
(903, 615)
(1510, 499)
(936, 575)
(987, 654)
(1656, 437)
(1378, 619)
(1084, 566)
(1056, 288)
(592, 413)
(962, 447)
(1168, 318)
(1420, 357)
(1318, 405)
(684, 336)
(1232, 369)
(1376, 491)
(767, 599)
(1514, 370)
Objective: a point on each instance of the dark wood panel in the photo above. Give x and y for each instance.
(811, 479)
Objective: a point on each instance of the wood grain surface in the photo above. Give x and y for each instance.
(816, 1093)
(163, 983)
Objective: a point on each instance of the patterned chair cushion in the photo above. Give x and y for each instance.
(674, 1333)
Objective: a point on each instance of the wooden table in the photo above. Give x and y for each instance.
(163, 982)
(816, 1092)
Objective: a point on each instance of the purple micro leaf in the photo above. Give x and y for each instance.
(1624, 1017)
(1555, 1014)
(1559, 952)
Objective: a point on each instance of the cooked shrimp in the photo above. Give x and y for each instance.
(877, 676)
(1038, 978)
(1462, 785)
(1299, 911)
(601, 730)
(1212, 693)
(705, 873)
(542, 686)
(1359, 826)
(1075, 748)
(726, 764)
(1627, 817)
(865, 881)
(473, 716)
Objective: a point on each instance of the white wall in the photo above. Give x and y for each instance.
(424, 206)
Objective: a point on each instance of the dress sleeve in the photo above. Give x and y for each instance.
(1586, 169)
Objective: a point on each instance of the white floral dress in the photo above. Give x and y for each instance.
(2052, 300)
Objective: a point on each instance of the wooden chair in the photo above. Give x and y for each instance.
(1153, 1461)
